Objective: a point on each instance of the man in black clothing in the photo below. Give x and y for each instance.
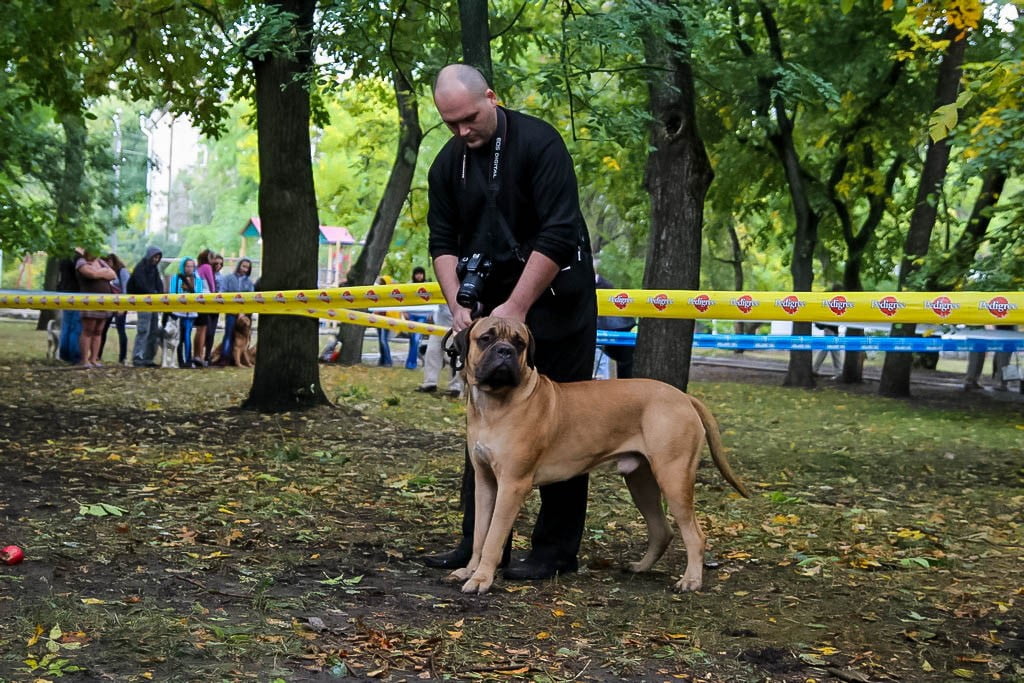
(146, 279)
(504, 187)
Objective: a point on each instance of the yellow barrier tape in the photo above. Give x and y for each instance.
(971, 308)
(373, 320)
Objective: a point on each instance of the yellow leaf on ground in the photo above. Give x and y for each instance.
(543, 635)
(93, 601)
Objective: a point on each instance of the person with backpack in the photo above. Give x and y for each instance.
(71, 321)
(145, 279)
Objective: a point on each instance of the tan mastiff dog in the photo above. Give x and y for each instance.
(524, 430)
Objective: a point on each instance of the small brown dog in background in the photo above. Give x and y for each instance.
(241, 354)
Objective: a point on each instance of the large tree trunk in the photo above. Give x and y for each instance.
(678, 176)
(68, 202)
(895, 380)
(287, 375)
(366, 268)
(476, 36)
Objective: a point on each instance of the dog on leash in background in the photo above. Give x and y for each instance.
(53, 337)
(170, 337)
(242, 355)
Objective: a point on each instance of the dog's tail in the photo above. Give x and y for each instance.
(715, 444)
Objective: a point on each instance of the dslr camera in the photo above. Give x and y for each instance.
(472, 271)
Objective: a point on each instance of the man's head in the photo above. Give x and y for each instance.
(466, 105)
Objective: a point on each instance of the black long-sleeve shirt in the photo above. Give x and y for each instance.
(539, 200)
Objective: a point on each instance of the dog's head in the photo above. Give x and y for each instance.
(497, 352)
(243, 325)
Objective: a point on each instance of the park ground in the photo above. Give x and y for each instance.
(171, 536)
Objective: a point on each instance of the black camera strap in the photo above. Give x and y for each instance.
(493, 176)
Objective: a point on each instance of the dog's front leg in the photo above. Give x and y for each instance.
(485, 493)
(511, 495)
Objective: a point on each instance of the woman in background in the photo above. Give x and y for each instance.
(186, 282)
(119, 286)
(94, 276)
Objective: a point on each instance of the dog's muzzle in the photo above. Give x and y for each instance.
(499, 365)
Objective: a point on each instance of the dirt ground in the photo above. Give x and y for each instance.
(171, 536)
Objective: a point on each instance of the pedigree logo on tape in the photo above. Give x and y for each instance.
(238, 299)
(397, 295)
(621, 300)
(702, 302)
(998, 306)
(182, 299)
(941, 306)
(888, 305)
(372, 296)
(301, 297)
(148, 300)
(258, 298)
(279, 298)
(790, 304)
(660, 301)
(745, 303)
(347, 296)
(219, 299)
(423, 293)
(838, 304)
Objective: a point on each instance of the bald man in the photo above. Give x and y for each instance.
(504, 187)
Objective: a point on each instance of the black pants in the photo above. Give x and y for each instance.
(563, 505)
(623, 357)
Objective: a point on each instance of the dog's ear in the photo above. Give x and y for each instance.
(457, 346)
(531, 349)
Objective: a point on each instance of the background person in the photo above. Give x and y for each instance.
(185, 281)
(412, 360)
(238, 281)
(201, 322)
(434, 360)
(118, 286)
(622, 355)
(94, 276)
(541, 272)
(68, 349)
(146, 279)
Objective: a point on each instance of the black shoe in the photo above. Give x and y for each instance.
(453, 559)
(429, 389)
(531, 569)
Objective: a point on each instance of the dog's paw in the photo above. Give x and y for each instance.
(478, 584)
(688, 584)
(460, 574)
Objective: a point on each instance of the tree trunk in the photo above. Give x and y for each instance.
(895, 380)
(857, 244)
(69, 200)
(805, 237)
(476, 36)
(956, 265)
(287, 375)
(366, 268)
(678, 176)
